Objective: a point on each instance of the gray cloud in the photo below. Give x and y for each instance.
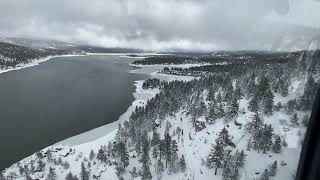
(166, 24)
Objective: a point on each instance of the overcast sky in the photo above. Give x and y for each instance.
(167, 24)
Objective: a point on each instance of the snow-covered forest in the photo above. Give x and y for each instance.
(243, 115)
(12, 55)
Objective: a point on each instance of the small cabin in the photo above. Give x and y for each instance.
(200, 125)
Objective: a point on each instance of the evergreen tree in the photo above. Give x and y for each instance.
(213, 115)
(254, 104)
(256, 123)
(167, 148)
(49, 156)
(52, 174)
(160, 167)
(234, 108)
(268, 102)
(183, 164)
(84, 172)
(155, 138)
(123, 154)
(155, 152)
(294, 119)
(265, 175)
(277, 144)
(101, 155)
(174, 152)
(91, 155)
(146, 174)
(227, 173)
(41, 165)
(240, 158)
(273, 169)
(71, 177)
(134, 172)
(215, 157)
(266, 141)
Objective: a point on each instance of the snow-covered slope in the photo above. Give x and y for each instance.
(193, 135)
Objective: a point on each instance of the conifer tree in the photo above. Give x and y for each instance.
(52, 174)
(215, 157)
(277, 144)
(70, 176)
(266, 141)
(254, 104)
(273, 169)
(91, 155)
(123, 154)
(265, 175)
(146, 174)
(294, 119)
(155, 138)
(84, 172)
(160, 167)
(167, 148)
(268, 102)
(182, 163)
(101, 155)
(41, 165)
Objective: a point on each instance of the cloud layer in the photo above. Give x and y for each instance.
(166, 24)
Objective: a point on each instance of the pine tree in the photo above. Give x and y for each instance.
(52, 174)
(265, 175)
(71, 177)
(273, 169)
(213, 115)
(183, 164)
(84, 172)
(277, 144)
(155, 138)
(294, 119)
(234, 109)
(146, 174)
(49, 156)
(167, 148)
(215, 157)
(227, 173)
(268, 102)
(240, 158)
(134, 172)
(174, 151)
(256, 123)
(92, 155)
(101, 155)
(254, 104)
(224, 138)
(155, 152)
(41, 165)
(123, 154)
(266, 142)
(160, 167)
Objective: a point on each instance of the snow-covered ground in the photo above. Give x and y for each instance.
(194, 145)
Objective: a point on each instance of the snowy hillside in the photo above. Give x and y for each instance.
(14, 56)
(235, 120)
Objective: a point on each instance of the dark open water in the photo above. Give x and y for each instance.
(60, 98)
